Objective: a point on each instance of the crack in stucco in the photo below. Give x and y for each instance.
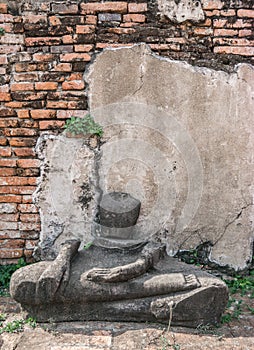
(232, 221)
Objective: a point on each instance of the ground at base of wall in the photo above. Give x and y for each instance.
(237, 334)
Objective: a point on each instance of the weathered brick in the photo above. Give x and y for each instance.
(43, 114)
(30, 245)
(5, 18)
(225, 32)
(27, 199)
(21, 132)
(109, 17)
(7, 112)
(110, 6)
(22, 142)
(65, 9)
(233, 41)
(203, 31)
(46, 86)
(228, 12)
(47, 57)
(70, 57)
(235, 50)
(32, 18)
(51, 124)
(5, 152)
(42, 41)
(27, 208)
(24, 152)
(4, 88)
(8, 225)
(134, 17)
(137, 8)
(122, 30)
(7, 171)
(245, 13)
(85, 29)
(73, 85)
(28, 163)
(63, 67)
(8, 208)
(11, 39)
(30, 218)
(62, 114)
(61, 49)
(9, 217)
(3, 141)
(10, 254)
(10, 199)
(29, 226)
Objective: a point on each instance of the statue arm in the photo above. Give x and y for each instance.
(57, 272)
(149, 256)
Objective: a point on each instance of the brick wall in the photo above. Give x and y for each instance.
(44, 52)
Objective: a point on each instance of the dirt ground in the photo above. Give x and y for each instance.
(237, 334)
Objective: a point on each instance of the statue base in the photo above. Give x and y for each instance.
(101, 284)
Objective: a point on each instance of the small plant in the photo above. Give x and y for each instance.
(17, 326)
(2, 31)
(5, 275)
(88, 245)
(84, 126)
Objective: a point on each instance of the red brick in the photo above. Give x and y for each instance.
(9, 163)
(110, 6)
(17, 189)
(52, 124)
(5, 152)
(245, 32)
(27, 199)
(7, 112)
(3, 141)
(8, 123)
(10, 199)
(85, 29)
(7, 171)
(122, 30)
(228, 13)
(245, 13)
(39, 57)
(137, 8)
(212, 4)
(27, 208)
(46, 86)
(3, 8)
(24, 114)
(43, 114)
(22, 142)
(69, 57)
(83, 48)
(17, 181)
(235, 50)
(28, 163)
(63, 67)
(73, 85)
(5, 97)
(69, 39)
(24, 152)
(8, 225)
(12, 243)
(25, 67)
(233, 42)
(225, 32)
(134, 18)
(3, 59)
(57, 104)
(11, 253)
(90, 19)
(42, 41)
